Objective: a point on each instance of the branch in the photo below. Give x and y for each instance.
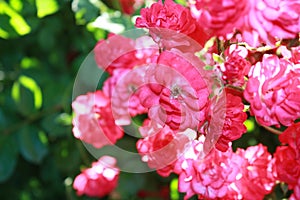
(272, 130)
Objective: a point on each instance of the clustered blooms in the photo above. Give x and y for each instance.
(198, 99)
(258, 21)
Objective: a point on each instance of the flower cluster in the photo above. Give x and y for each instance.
(197, 75)
(259, 21)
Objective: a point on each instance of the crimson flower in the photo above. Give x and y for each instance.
(234, 122)
(175, 92)
(256, 178)
(219, 17)
(287, 158)
(99, 180)
(235, 67)
(168, 21)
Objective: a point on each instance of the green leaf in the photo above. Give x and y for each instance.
(16, 21)
(33, 144)
(57, 125)
(8, 156)
(46, 7)
(16, 5)
(217, 58)
(85, 11)
(27, 94)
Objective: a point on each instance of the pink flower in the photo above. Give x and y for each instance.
(287, 158)
(93, 121)
(99, 180)
(209, 176)
(167, 21)
(273, 91)
(114, 53)
(234, 122)
(235, 67)
(161, 148)
(259, 21)
(219, 17)
(121, 87)
(257, 178)
(269, 21)
(175, 92)
(119, 52)
(127, 78)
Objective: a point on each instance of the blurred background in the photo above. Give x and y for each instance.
(42, 45)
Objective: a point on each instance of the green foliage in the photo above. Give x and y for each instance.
(41, 49)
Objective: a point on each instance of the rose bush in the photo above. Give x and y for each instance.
(197, 102)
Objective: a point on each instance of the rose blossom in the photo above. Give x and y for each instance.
(256, 179)
(167, 21)
(219, 17)
(115, 52)
(175, 92)
(287, 158)
(235, 67)
(161, 148)
(93, 121)
(273, 91)
(99, 180)
(120, 87)
(119, 52)
(259, 21)
(208, 176)
(269, 21)
(234, 122)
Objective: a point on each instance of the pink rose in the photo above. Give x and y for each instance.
(269, 21)
(119, 52)
(287, 158)
(219, 17)
(257, 178)
(208, 176)
(121, 88)
(93, 121)
(168, 21)
(161, 148)
(234, 122)
(235, 67)
(99, 180)
(175, 92)
(273, 91)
